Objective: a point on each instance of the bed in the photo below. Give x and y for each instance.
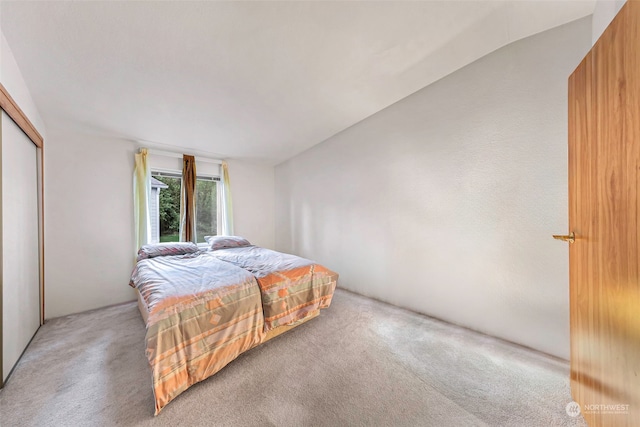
(203, 308)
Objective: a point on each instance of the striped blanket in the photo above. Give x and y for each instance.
(203, 313)
(292, 287)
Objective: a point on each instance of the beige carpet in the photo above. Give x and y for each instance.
(361, 362)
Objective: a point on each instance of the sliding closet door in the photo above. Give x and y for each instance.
(20, 244)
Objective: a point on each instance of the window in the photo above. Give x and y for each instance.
(164, 208)
(206, 208)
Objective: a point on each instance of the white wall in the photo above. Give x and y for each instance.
(89, 241)
(445, 202)
(89, 237)
(603, 14)
(11, 78)
(253, 194)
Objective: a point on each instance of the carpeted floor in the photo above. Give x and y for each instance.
(361, 362)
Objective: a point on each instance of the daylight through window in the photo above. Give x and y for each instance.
(165, 207)
(206, 208)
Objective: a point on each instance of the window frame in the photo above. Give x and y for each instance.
(173, 173)
(217, 180)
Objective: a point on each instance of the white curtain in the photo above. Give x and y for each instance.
(226, 209)
(141, 196)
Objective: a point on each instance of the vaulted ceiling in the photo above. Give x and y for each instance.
(260, 80)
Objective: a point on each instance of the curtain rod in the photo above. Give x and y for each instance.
(179, 156)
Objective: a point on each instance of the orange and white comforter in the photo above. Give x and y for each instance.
(203, 313)
(292, 288)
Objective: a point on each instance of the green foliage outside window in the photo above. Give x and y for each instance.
(206, 209)
(169, 209)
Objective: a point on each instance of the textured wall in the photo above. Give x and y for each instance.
(445, 202)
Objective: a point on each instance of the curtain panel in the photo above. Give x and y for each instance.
(141, 196)
(226, 210)
(188, 200)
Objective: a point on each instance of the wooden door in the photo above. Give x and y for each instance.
(604, 213)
